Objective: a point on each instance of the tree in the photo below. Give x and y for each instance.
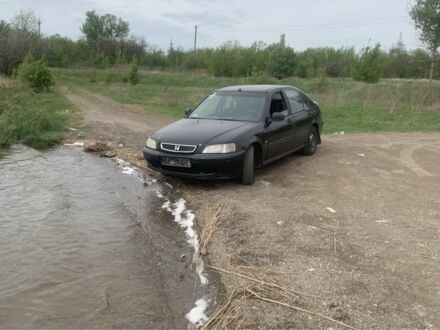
(398, 61)
(369, 64)
(35, 73)
(282, 59)
(107, 27)
(26, 21)
(224, 60)
(17, 39)
(426, 16)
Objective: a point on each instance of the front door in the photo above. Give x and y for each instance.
(277, 137)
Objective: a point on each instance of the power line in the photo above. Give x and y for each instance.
(305, 27)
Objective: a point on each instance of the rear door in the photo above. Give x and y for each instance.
(278, 135)
(300, 117)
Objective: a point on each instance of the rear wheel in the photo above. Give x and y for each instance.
(311, 143)
(247, 176)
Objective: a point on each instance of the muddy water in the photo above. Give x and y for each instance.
(84, 245)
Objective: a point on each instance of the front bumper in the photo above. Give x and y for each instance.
(203, 166)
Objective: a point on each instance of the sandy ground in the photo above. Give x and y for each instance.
(354, 228)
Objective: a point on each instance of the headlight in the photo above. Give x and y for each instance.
(219, 148)
(151, 143)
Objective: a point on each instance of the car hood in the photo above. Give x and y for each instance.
(201, 131)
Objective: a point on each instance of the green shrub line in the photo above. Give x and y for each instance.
(106, 41)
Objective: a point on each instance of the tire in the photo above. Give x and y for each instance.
(247, 176)
(311, 143)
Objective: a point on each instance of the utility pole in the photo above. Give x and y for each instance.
(171, 46)
(39, 27)
(400, 44)
(195, 37)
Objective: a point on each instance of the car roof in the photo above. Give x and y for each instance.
(253, 88)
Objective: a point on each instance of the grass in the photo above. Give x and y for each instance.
(347, 105)
(35, 119)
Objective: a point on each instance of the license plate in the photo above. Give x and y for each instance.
(177, 162)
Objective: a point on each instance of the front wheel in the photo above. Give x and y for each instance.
(311, 143)
(247, 176)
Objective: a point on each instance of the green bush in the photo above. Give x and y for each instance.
(101, 61)
(368, 66)
(260, 77)
(133, 76)
(34, 119)
(35, 73)
(282, 59)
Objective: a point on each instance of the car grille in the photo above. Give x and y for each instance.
(179, 148)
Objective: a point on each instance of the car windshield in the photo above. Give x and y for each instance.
(239, 106)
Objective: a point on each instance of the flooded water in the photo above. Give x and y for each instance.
(84, 245)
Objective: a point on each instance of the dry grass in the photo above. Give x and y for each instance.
(257, 283)
(387, 95)
(4, 82)
(210, 226)
(232, 314)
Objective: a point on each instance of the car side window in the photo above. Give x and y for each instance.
(309, 106)
(296, 100)
(277, 104)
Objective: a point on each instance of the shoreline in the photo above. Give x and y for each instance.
(172, 202)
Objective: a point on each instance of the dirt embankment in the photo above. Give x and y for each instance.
(350, 236)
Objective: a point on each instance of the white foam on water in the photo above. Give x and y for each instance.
(121, 161)
(127, 168)
(185, 219)
(200, 269)
(197, 315)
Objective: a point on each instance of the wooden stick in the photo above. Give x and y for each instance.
(298, 309)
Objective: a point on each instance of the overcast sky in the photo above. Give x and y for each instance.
(306, 23)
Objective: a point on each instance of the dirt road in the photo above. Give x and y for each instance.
(355, 228)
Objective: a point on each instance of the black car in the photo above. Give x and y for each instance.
(234, 130)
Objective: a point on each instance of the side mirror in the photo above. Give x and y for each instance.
(188, 111)
(278, 116)
(267, 121)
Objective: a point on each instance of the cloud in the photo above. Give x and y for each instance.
(222, 20)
